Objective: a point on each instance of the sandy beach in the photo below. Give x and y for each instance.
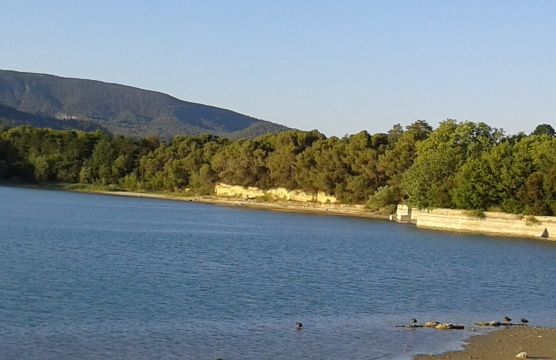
(505, 344)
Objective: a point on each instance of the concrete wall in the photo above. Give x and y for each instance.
(493, 223)
(236, 191)
(403, 213)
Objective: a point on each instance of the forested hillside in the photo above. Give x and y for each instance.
(67, 103)
(458, 165)
(13, 117)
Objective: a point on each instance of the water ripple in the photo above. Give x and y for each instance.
(96, 277)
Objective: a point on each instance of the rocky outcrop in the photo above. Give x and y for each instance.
(245, 193)
(435, 325)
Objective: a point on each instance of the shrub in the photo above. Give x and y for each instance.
(477, 214)
(531, 220)
(384, 197)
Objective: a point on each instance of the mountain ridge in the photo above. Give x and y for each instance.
(123, 109)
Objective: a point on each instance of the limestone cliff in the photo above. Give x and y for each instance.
(250, 192)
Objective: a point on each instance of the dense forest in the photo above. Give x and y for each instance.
(462, 165)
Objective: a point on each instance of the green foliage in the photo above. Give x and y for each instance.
(130, 182)
(242, 163)
(544, 129)
(461, 165)
(203, 182)
(385, 197)
(431, 178)
(400, 156)
(476, 214)
(531, 220)
(515, 175)
(531, 195)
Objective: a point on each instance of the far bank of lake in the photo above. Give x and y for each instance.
(448, 220)
(351, 210)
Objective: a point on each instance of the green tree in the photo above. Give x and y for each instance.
(102, 160)
(203, 182)
(532, 195)
(544, 129)
(429, 181)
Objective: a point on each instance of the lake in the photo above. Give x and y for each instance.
(99, 277)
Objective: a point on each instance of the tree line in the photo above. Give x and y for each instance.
(461, 165)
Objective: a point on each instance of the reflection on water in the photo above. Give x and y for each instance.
(96, 277)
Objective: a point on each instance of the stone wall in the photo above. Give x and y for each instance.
(236, 191)
(403, 213)
(493, 223)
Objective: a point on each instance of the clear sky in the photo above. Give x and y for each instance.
(337, 66)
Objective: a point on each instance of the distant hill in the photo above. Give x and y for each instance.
(42, 100)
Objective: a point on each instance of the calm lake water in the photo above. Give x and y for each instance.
(98, 277)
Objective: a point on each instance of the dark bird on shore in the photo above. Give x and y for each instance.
(298, 325)
(524, 321)
(507, 319)
(414, 321)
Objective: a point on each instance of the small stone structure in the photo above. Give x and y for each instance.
(403, 213)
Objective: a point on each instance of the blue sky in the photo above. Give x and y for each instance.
(336, 66)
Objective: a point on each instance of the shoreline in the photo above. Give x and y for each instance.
(356, 211)
(348, 210)
(488, 223)
(280, 206)
(504, 344)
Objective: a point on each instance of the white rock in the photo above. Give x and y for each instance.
(522, 355)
